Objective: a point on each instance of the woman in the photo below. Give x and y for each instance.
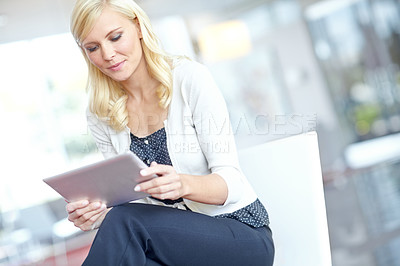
(168, 111)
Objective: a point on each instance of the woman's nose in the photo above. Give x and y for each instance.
(108, 52)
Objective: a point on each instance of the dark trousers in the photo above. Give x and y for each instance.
(142, 234)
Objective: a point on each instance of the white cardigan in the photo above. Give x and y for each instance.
(200, 140)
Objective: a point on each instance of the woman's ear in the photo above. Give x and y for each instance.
(137, 24)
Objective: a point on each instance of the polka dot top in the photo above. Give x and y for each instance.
(154, 148)
(253, 214)
(151, 148)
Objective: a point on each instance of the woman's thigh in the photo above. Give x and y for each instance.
(175, 237)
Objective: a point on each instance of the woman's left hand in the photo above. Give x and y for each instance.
(168, 185)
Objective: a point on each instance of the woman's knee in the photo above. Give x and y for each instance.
(119, 214)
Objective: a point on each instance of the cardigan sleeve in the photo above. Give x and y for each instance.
(214, 132)
(101, 137)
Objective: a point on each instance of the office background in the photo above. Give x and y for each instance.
(285, 67)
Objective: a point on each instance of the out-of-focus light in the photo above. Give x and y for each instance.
(64, 228)
(224, 41)
(3, 20)
(379, 127)
(175, 41)
(372, 152)
(323, 50)
(394, 123)
(363, 93)
(362, 127)
(324, 8)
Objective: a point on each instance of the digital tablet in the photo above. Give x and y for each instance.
(110, 181)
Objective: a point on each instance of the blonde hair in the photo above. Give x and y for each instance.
(106, 97)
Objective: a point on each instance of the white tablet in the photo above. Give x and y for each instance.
(110, 181)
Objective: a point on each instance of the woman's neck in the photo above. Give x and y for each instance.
(141, 86)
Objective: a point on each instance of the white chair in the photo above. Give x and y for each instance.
(286, 175)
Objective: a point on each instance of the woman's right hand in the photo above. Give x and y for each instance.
(86, 215)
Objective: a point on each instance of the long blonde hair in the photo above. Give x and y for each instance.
(106, 97)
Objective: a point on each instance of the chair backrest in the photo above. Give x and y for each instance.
(286, 174)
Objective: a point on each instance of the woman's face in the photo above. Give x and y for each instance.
(114, 46)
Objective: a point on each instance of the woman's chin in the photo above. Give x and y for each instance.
(118, 77)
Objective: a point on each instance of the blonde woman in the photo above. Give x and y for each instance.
(169, 112)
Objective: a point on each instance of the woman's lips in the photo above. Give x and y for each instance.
(117, 66)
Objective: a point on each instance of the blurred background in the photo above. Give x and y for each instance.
(285, 67)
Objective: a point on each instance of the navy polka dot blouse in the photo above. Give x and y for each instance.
(154, 148)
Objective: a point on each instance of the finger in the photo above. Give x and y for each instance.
(164, 189)
(156, 169)
(153, 183)
(88, 217)
(92, 207)
(72, 206)
(92, 223)
(172, 195)
(162, 185)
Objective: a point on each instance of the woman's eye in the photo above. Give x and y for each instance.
(92, 49)
(116, 38)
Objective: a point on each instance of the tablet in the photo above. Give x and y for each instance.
(110, 181)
